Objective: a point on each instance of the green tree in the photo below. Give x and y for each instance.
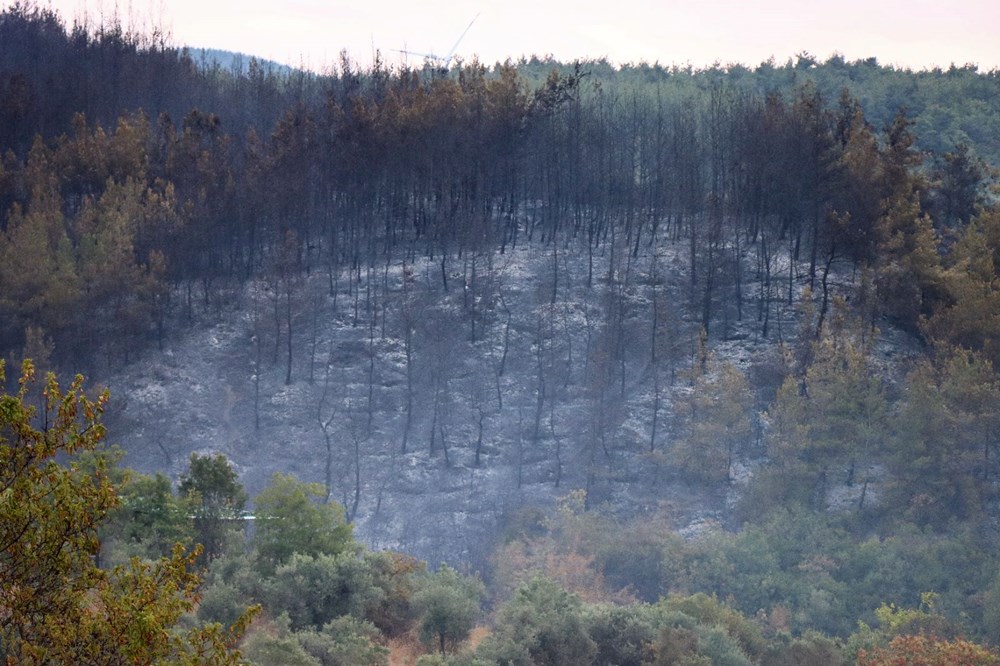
(810, 648)
(115, 282)
(292, 518)
(346, 641)
(231, 583)
(542, 624)
(212, 488)
(396, 575)
(970, 315)
(38, 270)
(959, 179)
(448, 604)
(716, 420)
(858, 198)
(150, 518)
(742, 636)
(314, 589)
(678, 646)
(623, 634)
(834, 418)
(944, 449)
(991, 607)
(275, 643)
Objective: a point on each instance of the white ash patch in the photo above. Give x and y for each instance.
(843, 497)
(289, 395)
(148, 394)
(700, 528)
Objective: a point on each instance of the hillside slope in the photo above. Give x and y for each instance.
(590, 430)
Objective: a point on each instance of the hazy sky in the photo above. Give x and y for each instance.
(913, 33)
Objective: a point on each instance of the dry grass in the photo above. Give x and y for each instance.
(476, 637)
(406, 649)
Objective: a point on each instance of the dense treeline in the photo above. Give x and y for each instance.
(951, 106)
(49, 73)
(211, 175)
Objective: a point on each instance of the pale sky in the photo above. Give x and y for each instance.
(912, 33)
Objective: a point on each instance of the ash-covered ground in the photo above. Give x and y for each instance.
(515, 356)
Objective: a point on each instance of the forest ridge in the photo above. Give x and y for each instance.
(669, 213)
(212, 170)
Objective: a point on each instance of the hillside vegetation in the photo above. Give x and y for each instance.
(671, 366)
